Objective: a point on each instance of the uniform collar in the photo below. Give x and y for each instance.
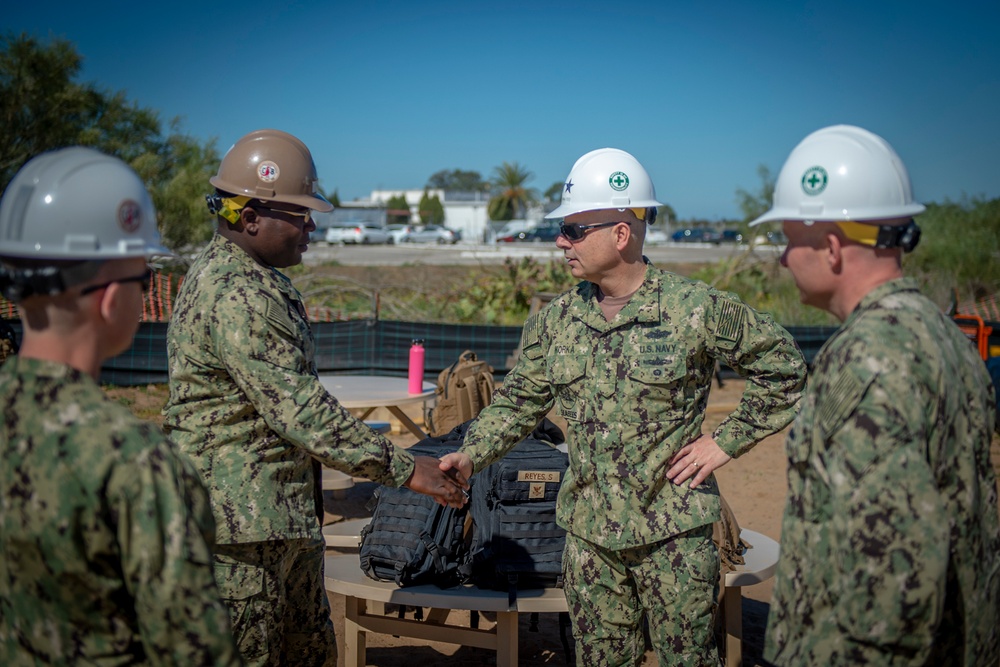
(643, 307)
(282, 282)
(880, 292)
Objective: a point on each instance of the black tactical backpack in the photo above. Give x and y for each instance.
(516, 542)
(411, 539)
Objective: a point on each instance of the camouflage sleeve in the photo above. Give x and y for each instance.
(889, 529)
(166, 532)
(518, 405)
(266, 360)
(763, 352)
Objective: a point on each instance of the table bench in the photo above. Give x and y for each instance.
(344, 576)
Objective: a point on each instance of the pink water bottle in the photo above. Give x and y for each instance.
(417, 366)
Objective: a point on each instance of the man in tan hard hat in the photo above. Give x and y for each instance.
(246, 404)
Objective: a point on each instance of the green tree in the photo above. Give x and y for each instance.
(397, 211)
(457, 180)
(754, 204)
(512, 197)
(666, 215)
(43, 108)
(554, 192)
(335, 199)
(431, 210)
(958, 257)
(178, 179)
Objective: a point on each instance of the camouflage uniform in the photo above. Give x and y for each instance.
(105, 533)
(247, 406)
(634, 392)
(890, 546)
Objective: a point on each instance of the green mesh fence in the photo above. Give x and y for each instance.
(374, 347)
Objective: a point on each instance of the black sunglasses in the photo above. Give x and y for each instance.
(305, 215)
(146, 279)
(575, 232)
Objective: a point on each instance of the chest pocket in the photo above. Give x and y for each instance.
(658, 389)
(567, 375)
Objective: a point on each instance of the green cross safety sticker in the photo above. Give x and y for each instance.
(618, 181)
(814, 181)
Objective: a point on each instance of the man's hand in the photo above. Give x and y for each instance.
(696, 461)
(457, 464)
(447, 487)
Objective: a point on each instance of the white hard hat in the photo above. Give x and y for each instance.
(77, 204)
(607, 178)
(842, 173)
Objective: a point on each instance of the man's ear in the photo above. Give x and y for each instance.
(110, 301)
(622, 235)
(249, 219)
(834, 252)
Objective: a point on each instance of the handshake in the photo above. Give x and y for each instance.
(445, 479)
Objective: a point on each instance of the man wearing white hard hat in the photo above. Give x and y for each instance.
(890, 542)
(627, 358)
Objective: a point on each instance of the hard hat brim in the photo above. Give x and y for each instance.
(564, 210)
(780, 214)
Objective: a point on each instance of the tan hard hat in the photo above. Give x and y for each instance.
(271, 165)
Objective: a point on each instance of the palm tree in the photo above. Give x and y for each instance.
(513, 196)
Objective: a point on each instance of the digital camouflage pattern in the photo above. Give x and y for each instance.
(247, 406)
(673, 580)
(105, 533)
(280, 580)
(890, 541)
(633, 392)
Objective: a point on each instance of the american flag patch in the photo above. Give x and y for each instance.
(529, 334)
(843, 395)
(730, 321)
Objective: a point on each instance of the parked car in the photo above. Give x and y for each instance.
(544, 234)
(431, 234)
(732, 236)
(696, 235)
(358, 233)
(773, 237)
(400, 232)
(656, 236)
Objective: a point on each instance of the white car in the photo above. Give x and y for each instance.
(358, 233)
(431, 234)
(400, 232)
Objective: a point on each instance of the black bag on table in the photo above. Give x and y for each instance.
(411, 539)
(516, 542)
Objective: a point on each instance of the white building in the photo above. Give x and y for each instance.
(465, 212)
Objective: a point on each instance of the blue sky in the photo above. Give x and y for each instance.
(387, 93)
